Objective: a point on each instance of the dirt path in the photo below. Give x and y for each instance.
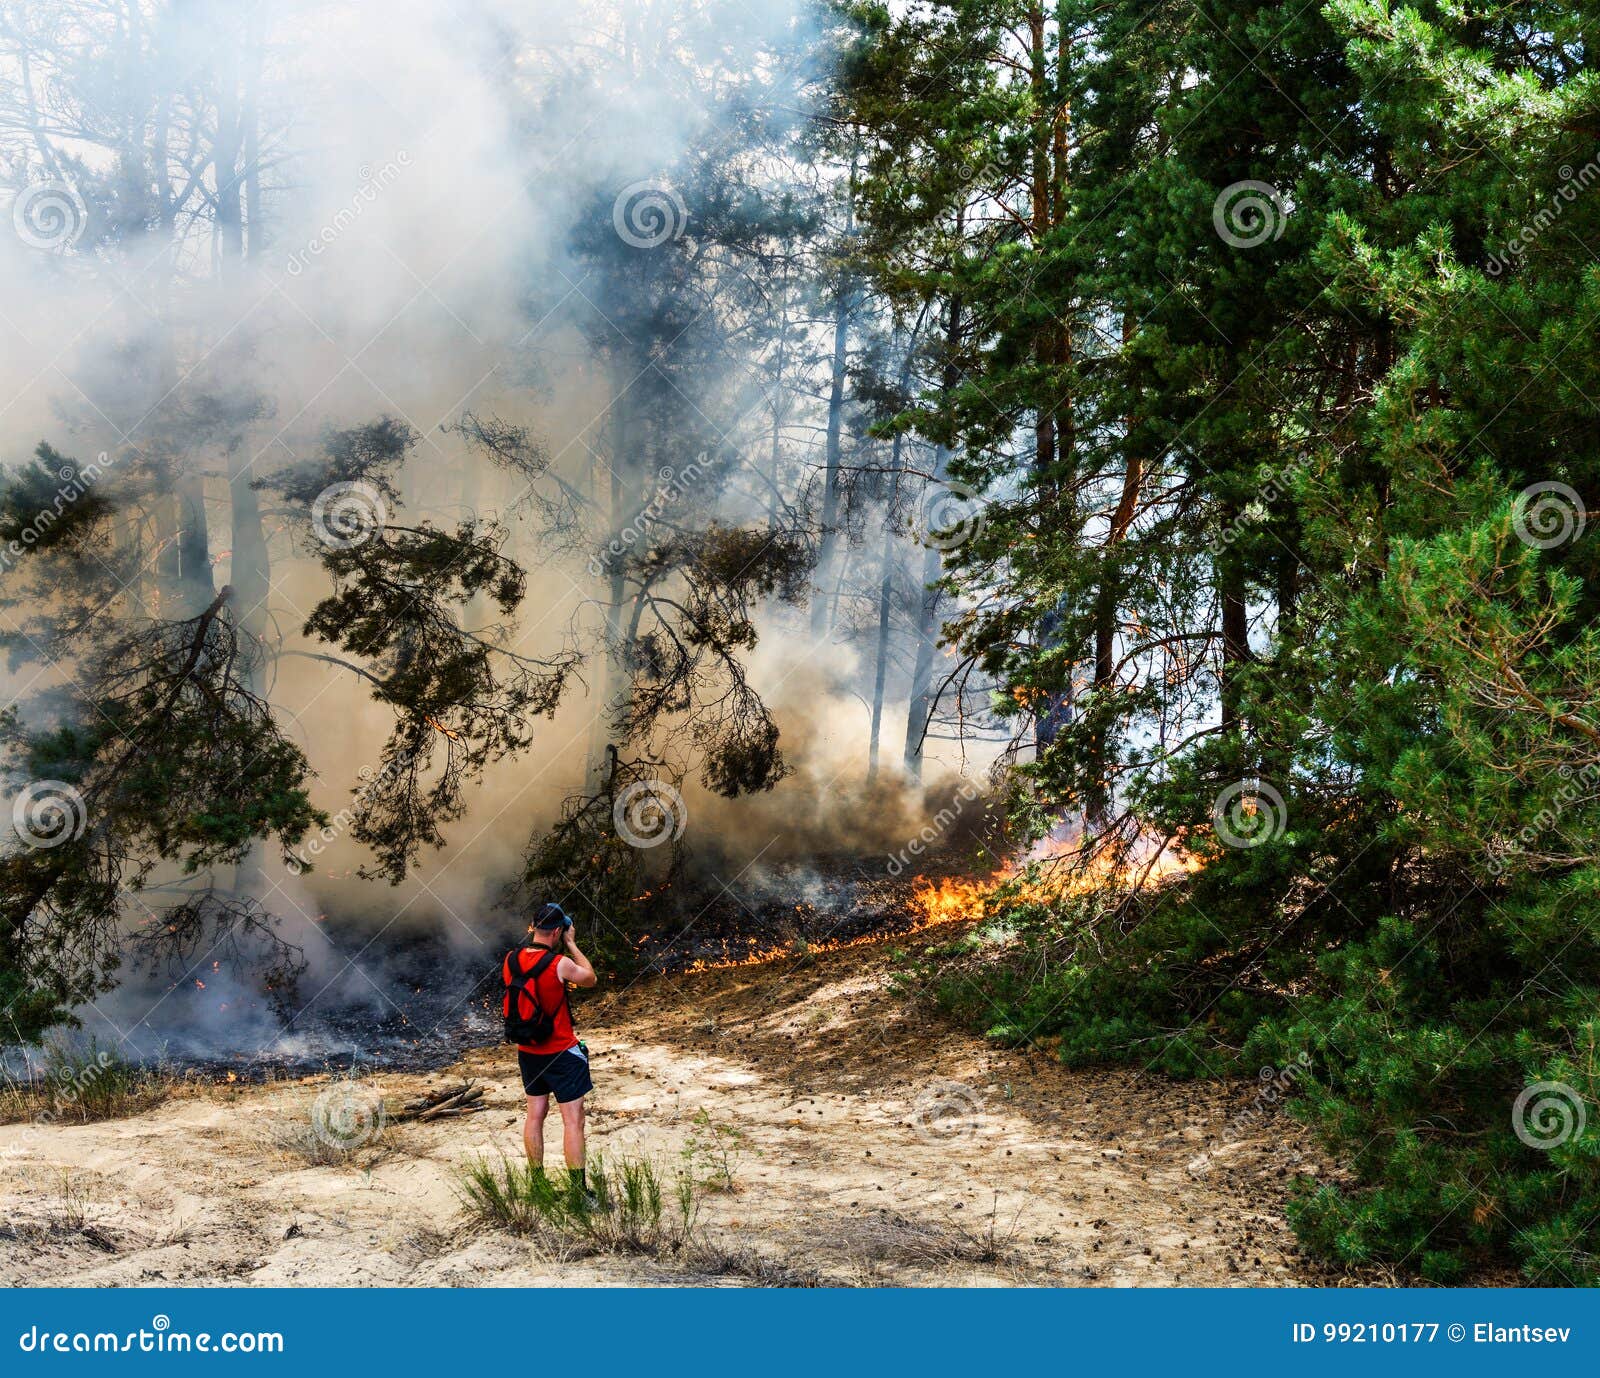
(869, 1142)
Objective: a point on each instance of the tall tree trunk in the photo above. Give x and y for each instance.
(779, 411)
(843, 311)
(238, 207)
(1288, 591)
(880, 672)
(183, 565)
(1052, 435)
(920, 704)
(195, 588)
(250, 113)
(1105, 612)
(250, 562)
(238, 168)
(225, 164)
(250, 573)
(920, 707)
(1235, 628)
(1041, 189)
(623, 506)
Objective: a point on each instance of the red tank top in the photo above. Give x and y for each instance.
(552, 993)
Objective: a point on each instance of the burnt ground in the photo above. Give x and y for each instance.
(869, 1142)
(422, 999)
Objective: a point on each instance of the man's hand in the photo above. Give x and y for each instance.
(579, 970)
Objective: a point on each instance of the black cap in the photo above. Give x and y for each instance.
(551, 916)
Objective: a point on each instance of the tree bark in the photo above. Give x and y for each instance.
(920, 704)
(843, 312)
(1235, 630)
(622, 505)
(1053, 438)
(885, 596)
(1105, 613)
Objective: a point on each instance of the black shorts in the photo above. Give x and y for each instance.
(564, 1075)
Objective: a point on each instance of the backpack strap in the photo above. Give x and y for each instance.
(551, 957)
(539, 967)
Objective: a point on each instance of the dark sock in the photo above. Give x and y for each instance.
(581, 1174)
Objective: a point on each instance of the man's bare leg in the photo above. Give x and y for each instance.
(533, 1130)
(573, 1142)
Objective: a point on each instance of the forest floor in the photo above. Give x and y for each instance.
(868, 1142)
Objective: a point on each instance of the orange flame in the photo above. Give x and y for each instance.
(958, 899)
(953, 899)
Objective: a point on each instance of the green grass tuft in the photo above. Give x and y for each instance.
(637, 1207)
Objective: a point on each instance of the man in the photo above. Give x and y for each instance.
(557, 1065)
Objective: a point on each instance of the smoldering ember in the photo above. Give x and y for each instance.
(799, 642)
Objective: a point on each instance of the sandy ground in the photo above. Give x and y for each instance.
(871, 1144)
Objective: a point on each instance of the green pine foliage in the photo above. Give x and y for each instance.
(1315, 521)
(1256, 340)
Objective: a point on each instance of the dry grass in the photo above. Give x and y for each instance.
(301, 1142)
(79, 1085)
(889, 1237)
(754, 1267)
(66, 1216)
(344, 1125)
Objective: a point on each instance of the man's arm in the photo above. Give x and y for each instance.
(574, 967)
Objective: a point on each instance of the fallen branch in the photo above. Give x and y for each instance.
(452, 1100)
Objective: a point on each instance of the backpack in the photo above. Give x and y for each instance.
(527, 1020)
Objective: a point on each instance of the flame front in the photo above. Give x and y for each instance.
(956, 898)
